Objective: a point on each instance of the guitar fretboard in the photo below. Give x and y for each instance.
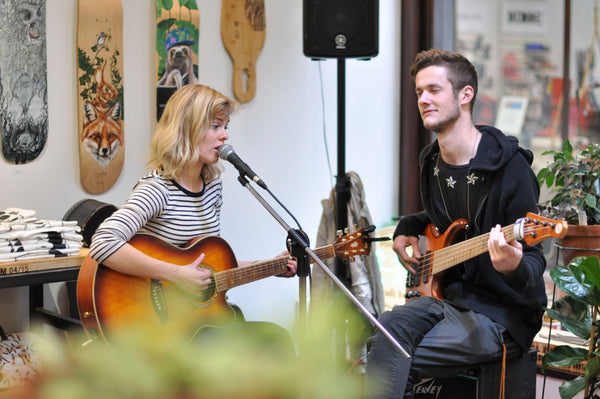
(255, 271)
(448, 257)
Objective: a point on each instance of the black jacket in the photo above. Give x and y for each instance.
(510, 189)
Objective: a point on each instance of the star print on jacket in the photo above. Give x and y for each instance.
(451, 182)
(471, 179)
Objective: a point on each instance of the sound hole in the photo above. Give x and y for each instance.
(209, 294)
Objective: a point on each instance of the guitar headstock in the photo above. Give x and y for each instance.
(354, 244)
(535, 228)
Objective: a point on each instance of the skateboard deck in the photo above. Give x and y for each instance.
(177, 34)
(100, 84)
(23, 80)
(243, 29)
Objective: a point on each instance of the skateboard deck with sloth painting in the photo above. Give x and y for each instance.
(177, 35)
(100, 88)
(23, 80)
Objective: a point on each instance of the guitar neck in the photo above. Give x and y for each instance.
(448, 257)
(258, 270)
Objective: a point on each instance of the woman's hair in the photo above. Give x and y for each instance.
(188, 115)
(460, 71)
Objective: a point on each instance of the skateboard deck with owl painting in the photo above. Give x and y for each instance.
(177, 35)
(23, 80)
(100, 88)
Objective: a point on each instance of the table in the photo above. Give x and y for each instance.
(35, 274)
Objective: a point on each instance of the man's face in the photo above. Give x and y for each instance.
(438, 105)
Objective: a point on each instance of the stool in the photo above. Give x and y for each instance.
(481, 381)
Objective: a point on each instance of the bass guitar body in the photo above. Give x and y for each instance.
(111, 300)
(424, 282)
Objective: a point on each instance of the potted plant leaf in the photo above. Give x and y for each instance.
(574, 179)
(578, 313)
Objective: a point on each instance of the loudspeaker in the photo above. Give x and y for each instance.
(478, 382)
(341, 28)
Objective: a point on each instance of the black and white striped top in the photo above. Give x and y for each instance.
(161, 207)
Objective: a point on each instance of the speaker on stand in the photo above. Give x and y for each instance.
(340, 29)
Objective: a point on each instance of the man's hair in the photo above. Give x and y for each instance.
(460, 71)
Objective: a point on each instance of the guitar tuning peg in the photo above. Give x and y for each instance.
(339, 233)
(346, 230)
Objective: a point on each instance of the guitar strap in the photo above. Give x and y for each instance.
(503, 374)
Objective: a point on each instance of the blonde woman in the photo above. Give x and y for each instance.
(180, 198)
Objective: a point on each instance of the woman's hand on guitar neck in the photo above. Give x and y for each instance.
(402, 242)
(292, 265)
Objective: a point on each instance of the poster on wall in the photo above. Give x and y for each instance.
(100, 88)
(23, 81)
(177, 33)
(525, 17)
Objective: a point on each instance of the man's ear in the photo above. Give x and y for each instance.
(466, 95)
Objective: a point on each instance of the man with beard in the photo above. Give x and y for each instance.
(490, 302)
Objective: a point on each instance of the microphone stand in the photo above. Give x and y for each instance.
(299, 242)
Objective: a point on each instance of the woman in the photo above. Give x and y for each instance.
(181, 197)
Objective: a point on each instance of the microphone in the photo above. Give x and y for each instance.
(226, 152)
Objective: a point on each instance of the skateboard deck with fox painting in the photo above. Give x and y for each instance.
(100, 88)
(177, 35)
(23, 80)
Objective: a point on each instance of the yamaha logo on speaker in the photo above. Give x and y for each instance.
(340, 41)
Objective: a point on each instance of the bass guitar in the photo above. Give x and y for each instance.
(110, 300)
(442, 252)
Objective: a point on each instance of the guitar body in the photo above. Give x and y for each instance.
(111, 300)
(425, 282)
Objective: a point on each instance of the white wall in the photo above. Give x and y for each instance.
(279, 133)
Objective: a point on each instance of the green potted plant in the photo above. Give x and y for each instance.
(578, 313)
(574, 179)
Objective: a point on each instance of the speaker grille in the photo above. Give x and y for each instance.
(341, 28)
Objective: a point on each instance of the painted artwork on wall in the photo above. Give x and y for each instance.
(23, 81)
(100, 88)
(177, 33)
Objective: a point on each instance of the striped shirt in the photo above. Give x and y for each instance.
(162, 207)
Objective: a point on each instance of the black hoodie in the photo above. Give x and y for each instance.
(510, 189)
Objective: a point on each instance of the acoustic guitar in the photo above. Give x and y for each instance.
(109, 300)
(442, 251)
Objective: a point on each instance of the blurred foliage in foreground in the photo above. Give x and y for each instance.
(223, 363)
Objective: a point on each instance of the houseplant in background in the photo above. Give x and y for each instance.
(578, 313)
(574, 179)
(573, 176)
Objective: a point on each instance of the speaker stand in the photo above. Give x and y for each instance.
(342, 196)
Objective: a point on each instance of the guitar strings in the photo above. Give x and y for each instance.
(428, 267)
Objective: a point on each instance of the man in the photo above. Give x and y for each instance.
(479, 174)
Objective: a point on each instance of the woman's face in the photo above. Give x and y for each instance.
(213, 139)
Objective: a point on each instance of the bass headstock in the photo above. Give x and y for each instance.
(534, 228)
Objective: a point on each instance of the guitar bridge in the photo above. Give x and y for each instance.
(159, 303)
